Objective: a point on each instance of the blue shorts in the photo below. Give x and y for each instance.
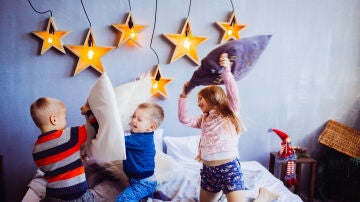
(227, 177)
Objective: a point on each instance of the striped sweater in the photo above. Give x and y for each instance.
(57, 154)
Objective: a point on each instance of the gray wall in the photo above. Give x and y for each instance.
(309, 73)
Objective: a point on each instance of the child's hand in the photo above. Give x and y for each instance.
(198, 157)
(224, 61)
(85, 108)
(183, 94)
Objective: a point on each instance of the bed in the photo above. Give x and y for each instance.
(177, 173)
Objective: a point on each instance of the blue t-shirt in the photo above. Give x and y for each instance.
(140, 155)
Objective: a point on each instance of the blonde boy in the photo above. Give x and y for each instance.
(140, 152)
(57, 150)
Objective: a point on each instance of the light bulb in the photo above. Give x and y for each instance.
(132, 33)
(91, 54)
(230, 31)
(187, 43)
(156, 84)
(50, 39)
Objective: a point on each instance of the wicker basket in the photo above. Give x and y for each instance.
(342, 138)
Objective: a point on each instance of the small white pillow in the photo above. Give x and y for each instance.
(109, 144)
(158, 139)
(166, 167)
(183, 149)
(130, 95)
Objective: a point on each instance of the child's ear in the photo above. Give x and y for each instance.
(153, 126)
(53, 119)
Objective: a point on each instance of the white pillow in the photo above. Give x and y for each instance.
(130, 95)
(158, 139)
(183, 149)
(166, 167)
(109, 144)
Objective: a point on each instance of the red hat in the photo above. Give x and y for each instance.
(281, 134)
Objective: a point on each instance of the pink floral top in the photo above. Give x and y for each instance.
(218, 134)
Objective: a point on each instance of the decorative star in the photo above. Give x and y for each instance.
(51, 37)
(128, 30)
(158, 83)
(89, 54)
(231, 28)
(185, 43)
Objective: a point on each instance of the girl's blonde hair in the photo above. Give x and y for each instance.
(215, 96)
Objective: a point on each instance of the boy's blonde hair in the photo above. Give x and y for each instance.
(43, 108)
(215, 96)
(155, 110)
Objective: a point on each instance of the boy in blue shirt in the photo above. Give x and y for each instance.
(140, 153)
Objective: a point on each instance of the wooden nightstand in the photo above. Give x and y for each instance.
(299, 163)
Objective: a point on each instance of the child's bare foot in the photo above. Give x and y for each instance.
(265, 195)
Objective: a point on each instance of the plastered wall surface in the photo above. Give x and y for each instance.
(308, 74)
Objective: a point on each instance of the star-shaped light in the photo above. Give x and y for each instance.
(185, 43)
(89, 54)
(129, 31)
(51, 37)
(231, 28)
(158, 83)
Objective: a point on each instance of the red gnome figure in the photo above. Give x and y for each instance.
(287, 153)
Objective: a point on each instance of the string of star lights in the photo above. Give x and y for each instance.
(129, 30)
(51, 37)
(158, 83)
(89, 54)
(185, 42)
(230, 28)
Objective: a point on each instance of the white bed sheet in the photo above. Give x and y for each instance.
(185, 186)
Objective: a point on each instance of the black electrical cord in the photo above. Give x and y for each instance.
(152, 35)
(41, 12)
(85, 12)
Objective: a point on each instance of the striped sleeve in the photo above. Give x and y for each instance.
(57, 154)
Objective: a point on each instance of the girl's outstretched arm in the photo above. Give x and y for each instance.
(183, 112)
(231, 87)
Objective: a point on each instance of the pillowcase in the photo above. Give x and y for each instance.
(158, 139)
(109, 143)
(166, 166)
(130, 95)
(243, 53)
(183, 149)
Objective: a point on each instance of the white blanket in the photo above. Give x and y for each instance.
(186, 185)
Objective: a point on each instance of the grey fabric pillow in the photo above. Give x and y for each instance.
(243, 53)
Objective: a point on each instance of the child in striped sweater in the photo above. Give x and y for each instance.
(57, 150)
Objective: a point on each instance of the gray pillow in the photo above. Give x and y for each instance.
(243, 53)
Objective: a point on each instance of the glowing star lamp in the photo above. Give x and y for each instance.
(158, 83)
(129, 31)
(231, 29)
(185, 43)
(51, 37)
(89, 54)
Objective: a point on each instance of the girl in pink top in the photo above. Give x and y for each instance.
(218, 147)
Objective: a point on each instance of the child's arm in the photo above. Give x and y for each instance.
(232, 90)
(183, 113)
(91, 126)
(90, 118)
